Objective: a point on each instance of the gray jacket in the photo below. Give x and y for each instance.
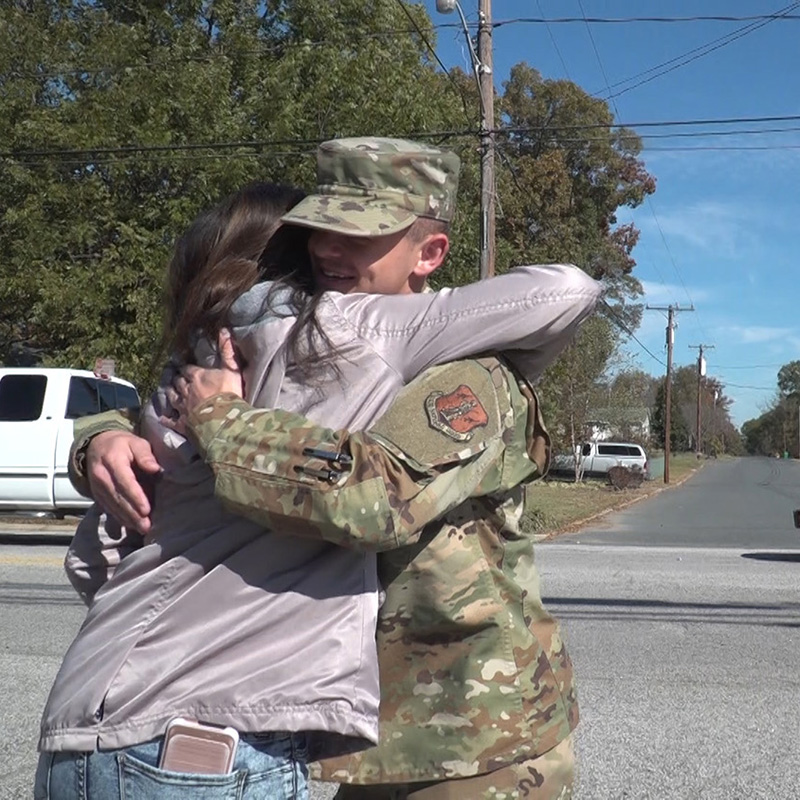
(216, 618)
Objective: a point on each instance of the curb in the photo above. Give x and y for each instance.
(580, 523)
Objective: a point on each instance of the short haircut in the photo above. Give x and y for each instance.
(425, 226)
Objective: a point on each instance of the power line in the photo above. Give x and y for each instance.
(466, 132)
(697, 134)
(743, 386)
(436, 56)
(616, 319)
(278, 47)
(553, 40)
(626, 20)
(662, 123)
(115, 149)
(752, 366)
(673, 262)
(698, 52)
(647, 198)
(721, 147)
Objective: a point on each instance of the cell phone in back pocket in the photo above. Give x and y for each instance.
(198, 747)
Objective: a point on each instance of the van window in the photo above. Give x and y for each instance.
(587, 450)
(634, 450)
(21, 397)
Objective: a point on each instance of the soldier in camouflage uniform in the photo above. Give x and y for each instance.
(477, 693)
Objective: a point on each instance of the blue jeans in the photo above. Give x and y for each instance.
(268, 766)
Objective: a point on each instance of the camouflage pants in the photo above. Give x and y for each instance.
(548, 777)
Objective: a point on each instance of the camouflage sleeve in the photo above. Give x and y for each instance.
(86, 428)
(458, 431)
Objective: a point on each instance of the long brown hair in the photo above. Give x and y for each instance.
(227, 250)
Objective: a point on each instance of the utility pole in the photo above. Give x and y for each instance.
(701, 373)
(482, 64)
(486, 81)
(670, 309)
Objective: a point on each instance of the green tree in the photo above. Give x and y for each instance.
(777, 430)
(624, 402)
(569, 386)
(563, 174)
(121, 120)
(789, 379)
(679, 427)
(763, 436)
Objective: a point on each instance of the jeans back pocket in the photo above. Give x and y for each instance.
(140, 781)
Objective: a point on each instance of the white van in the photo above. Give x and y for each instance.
(38, 407)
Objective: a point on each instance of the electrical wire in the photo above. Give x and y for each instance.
(626, 20)
(647, 198)
(752, 366)
(697, 53)
(400, 32)
(436, 56)
(397, 33)
(614, 318)
(744, 386)
(509, 131)
(553, 40)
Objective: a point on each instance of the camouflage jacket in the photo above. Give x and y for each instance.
(474, 673)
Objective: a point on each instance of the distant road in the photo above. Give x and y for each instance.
(743, 502)
(682, 616)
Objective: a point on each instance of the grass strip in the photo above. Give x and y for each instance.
(556, 506)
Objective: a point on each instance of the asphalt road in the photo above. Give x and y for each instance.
(743, 503)
(682, 615)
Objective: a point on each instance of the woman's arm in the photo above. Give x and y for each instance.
(534, 308)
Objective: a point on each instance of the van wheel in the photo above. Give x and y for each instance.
(59, 514)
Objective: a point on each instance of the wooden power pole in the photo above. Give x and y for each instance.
(701, 371)
(670, 309)
(482, 63)
(486, 82)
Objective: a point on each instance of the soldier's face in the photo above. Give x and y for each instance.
(371, 264)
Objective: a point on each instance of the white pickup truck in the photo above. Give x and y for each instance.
(38, 407)
(597, 458)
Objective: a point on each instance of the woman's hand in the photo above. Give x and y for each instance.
(195, 384)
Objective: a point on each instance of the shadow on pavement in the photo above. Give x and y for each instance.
(771, 555)
(36, 538)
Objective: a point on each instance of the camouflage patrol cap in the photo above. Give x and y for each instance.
(374, 186)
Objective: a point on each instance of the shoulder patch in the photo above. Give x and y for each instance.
(457, 414)
(447, 414)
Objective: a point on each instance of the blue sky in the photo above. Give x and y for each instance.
(721, 231)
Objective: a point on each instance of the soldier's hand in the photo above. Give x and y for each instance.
(114, 462)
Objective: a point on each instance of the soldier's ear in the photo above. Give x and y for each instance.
(432, 251)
